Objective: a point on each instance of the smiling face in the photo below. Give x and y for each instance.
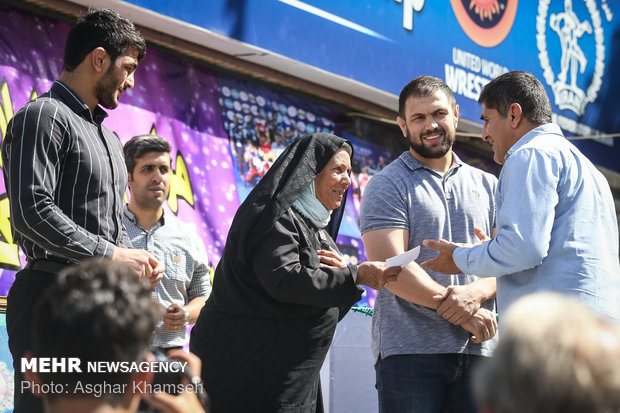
(331, 183)
(498, 132)
(118, 77)
(429, 124)
(149, 182)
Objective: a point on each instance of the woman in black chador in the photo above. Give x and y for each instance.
(281, 286)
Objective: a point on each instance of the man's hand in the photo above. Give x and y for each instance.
(482, 326)
(185, 401)
(141, 262)
(459, 303)
(443, 262)
(481, 236)
(174, 317)
(375, 274)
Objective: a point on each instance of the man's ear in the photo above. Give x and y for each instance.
(402, 124)
(456, 115)
(33, 378)
(515, 113)
(129, 182)
(98, 59)
(140, 381)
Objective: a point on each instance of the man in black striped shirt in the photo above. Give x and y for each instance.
(65, 174)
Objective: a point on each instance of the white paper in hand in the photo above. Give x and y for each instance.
(403, 259)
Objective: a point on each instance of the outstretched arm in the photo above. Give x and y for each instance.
(459, 303)
(413, 284)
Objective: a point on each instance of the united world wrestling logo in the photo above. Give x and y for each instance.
(571, 29)
(486, 22)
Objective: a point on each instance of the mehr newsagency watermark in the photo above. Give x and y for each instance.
(73, 365)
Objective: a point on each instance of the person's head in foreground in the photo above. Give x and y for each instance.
(97, 311)
(555, 355)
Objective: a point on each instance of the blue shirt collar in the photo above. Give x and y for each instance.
(132, 217)
(546, 129)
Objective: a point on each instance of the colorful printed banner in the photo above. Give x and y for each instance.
(224, 132)
(172, 98)
(572, 46)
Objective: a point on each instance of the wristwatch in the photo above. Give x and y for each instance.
(187, 318)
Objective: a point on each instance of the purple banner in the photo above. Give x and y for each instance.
(173, 98)
(224, 132)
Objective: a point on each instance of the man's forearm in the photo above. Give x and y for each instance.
(416, 286)
(194, 307)
(484, 288)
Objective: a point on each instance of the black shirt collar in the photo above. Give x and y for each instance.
(71, 99)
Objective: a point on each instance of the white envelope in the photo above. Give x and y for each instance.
(403, 259)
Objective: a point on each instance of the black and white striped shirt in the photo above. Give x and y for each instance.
(65, 177)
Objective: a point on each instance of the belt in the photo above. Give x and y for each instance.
(50, 266)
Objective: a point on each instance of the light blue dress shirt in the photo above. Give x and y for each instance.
(186, 267)
(557, 227)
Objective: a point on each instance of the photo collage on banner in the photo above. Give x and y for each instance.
(260, 122)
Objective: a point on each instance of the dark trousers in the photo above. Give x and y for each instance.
(426, 383)
(29, 285)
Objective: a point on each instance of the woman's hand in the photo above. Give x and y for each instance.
(331, 258)
(375, 274)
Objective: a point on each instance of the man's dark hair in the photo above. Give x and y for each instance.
(137, 146)
(101, 28)
(96, 311)
(421, 87)
(518, 87)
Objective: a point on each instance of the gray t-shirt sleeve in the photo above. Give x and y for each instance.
(384, 205)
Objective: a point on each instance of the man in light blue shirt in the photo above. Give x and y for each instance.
(556, 222)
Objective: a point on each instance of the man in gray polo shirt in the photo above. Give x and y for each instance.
(428, 329)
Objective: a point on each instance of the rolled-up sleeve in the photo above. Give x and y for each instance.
(527, 196)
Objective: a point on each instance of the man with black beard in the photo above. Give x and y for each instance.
(65, 174)
(428, 329)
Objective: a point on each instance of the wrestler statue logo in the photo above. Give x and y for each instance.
(571, 30)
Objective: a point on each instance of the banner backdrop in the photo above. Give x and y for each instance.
(224, 132)
(171, 98)
(572, 46)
